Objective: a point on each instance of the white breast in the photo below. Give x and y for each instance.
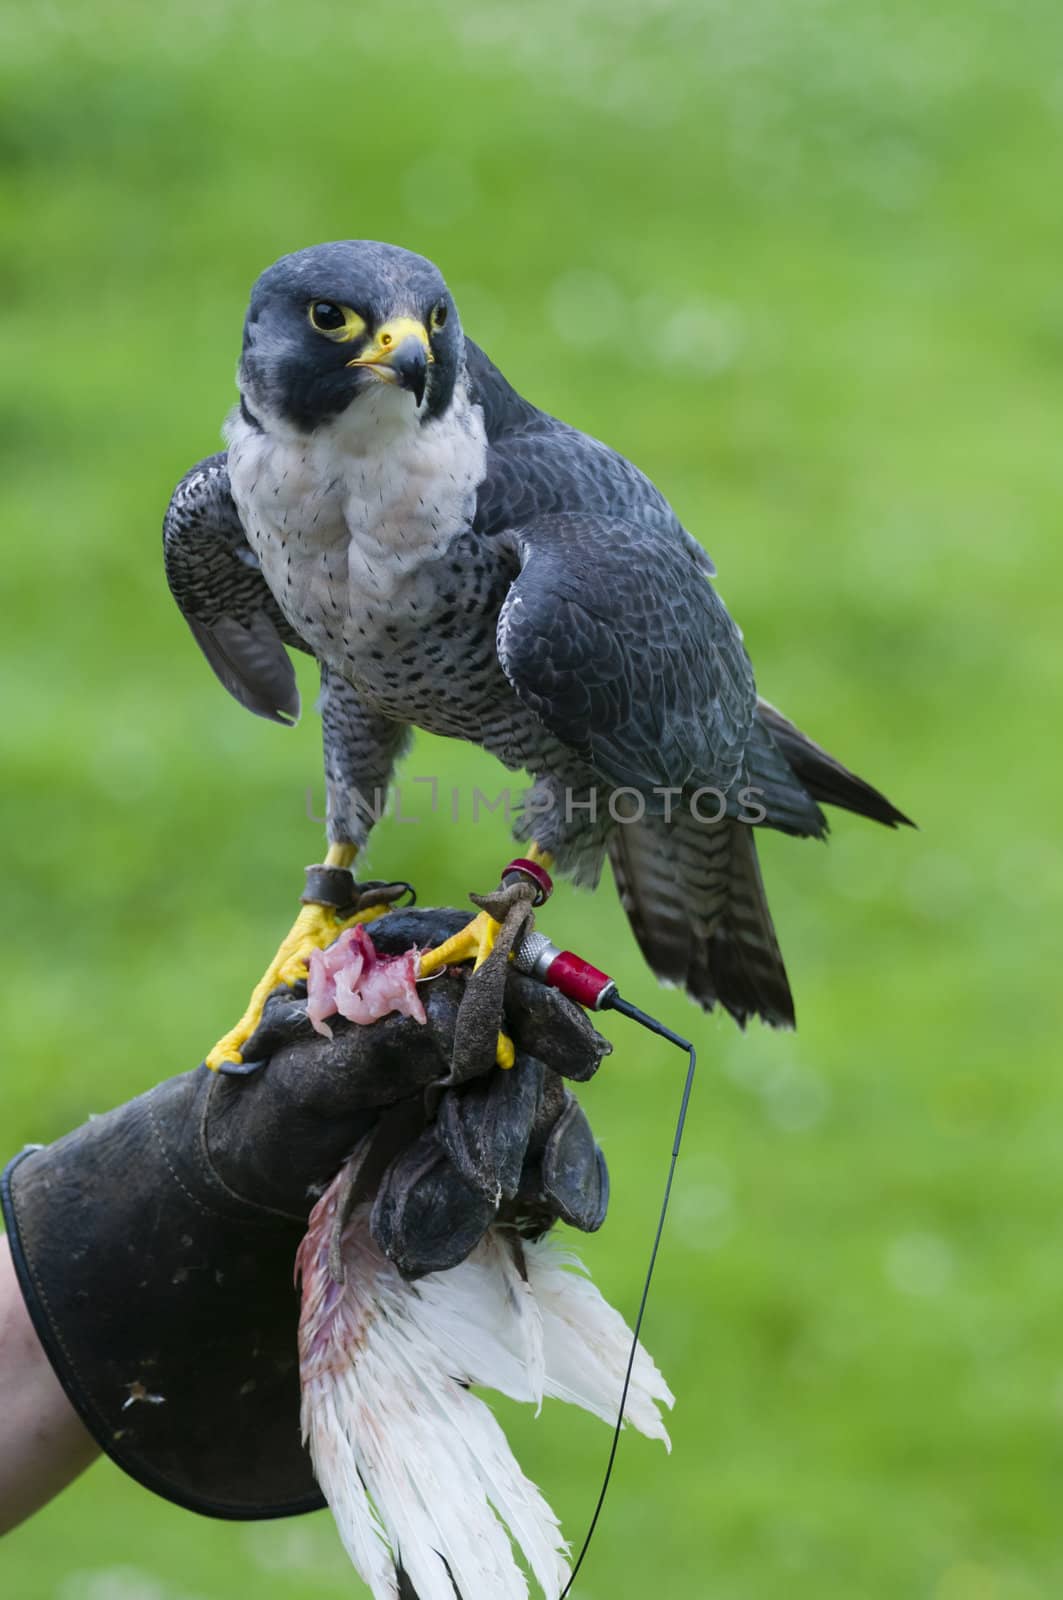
(358, 506)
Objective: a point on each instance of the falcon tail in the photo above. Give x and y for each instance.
(693, 890)
(808, 775)
(419, 1475)
(695, 899)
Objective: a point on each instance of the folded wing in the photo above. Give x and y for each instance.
(614, 637)
(216, 580)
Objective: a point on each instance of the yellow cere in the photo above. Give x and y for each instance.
(389, 338)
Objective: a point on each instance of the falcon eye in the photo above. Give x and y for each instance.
(439, 316)
(326, 317)
(338, 323)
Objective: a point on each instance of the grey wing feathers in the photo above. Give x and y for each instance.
(613, 636)
(215, 578)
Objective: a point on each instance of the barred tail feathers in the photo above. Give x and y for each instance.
(695, 899)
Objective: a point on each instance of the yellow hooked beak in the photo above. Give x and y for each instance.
(400, 353)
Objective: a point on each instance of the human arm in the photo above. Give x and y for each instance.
(44, 1445)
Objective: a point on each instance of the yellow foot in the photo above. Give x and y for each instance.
(472, 943)
(315, 927)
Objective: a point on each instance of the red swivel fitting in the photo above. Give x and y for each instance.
(522, 867)
(564, 970)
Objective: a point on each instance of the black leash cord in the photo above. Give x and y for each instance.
(615, 1003)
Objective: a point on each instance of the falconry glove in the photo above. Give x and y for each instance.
(155, 1244)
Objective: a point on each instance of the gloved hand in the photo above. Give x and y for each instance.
(155, 1244)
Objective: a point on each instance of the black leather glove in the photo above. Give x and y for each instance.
(155, 1244)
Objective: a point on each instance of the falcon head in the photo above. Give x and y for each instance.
(328, 326)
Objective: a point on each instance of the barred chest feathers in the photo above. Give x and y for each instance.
(344, 521)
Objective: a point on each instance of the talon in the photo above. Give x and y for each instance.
(472, 943)
(314, 928)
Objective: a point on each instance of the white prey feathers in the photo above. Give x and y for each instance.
(414, 1466)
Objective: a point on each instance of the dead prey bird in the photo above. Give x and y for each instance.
(457, 560)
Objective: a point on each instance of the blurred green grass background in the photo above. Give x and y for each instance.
(802, 262)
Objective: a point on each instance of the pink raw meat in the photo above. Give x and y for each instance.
(351, 979)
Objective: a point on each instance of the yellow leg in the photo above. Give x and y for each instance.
(477, 939)
(315, 927)
(474, 943)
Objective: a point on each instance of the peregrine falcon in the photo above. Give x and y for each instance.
(459, 561)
